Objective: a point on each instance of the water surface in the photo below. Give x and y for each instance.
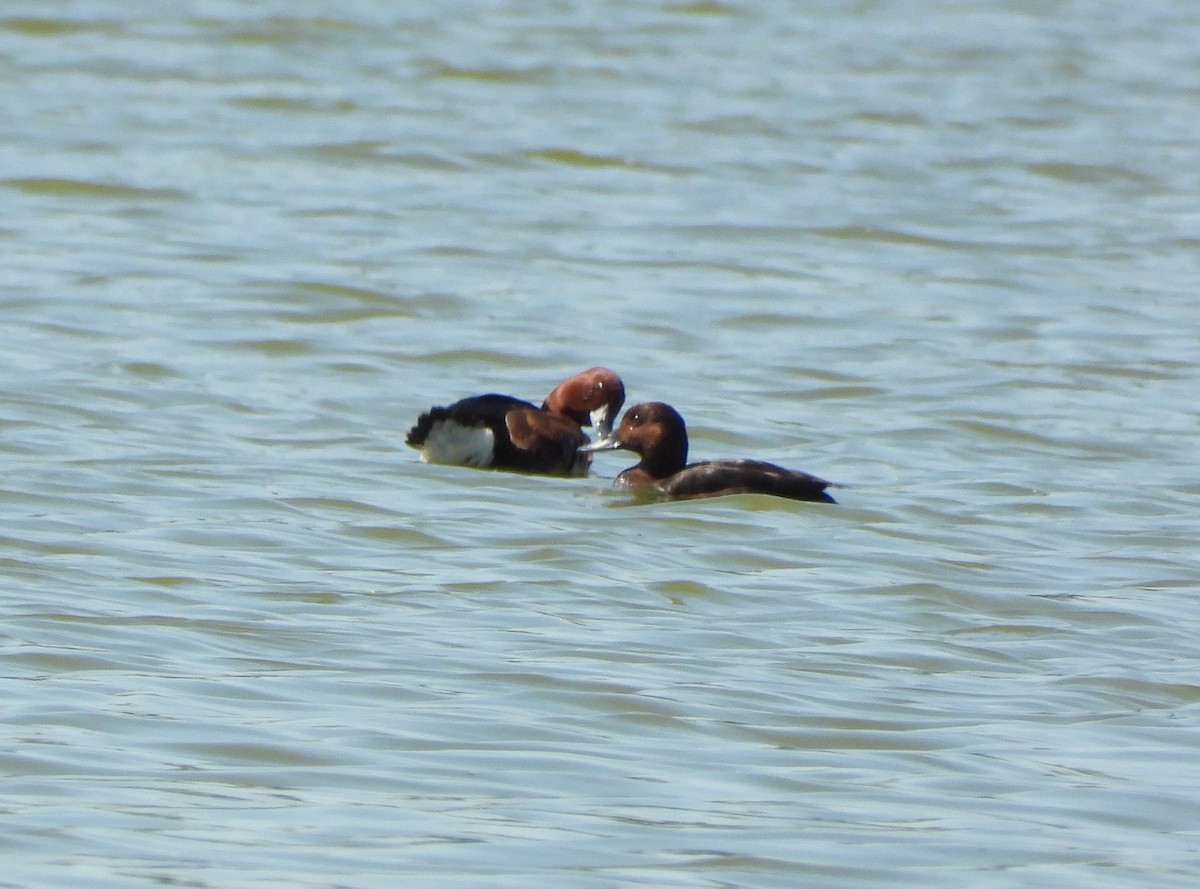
(945, 253)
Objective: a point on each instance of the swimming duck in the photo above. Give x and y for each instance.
(656, 433)
(502, 432)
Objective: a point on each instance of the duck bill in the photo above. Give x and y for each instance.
(602, 419)
(609, 443)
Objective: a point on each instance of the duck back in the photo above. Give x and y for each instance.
(717, 477)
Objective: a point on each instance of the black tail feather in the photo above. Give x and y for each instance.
(420, 432)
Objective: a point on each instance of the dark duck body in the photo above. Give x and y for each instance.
(656, 433)
(502, 432)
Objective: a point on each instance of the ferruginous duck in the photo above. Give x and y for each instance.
(656, 433)
(501, 432)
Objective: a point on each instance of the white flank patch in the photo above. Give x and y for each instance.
(458, 445)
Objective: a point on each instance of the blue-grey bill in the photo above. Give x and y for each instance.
(602, 420)
(608, 443)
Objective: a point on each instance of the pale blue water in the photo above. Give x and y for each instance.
(946, 253)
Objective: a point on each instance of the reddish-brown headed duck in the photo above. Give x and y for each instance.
(657, 434)
(502, 432)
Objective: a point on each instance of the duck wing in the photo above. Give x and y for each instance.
(542, 442)
(477, 411)
(716, 477)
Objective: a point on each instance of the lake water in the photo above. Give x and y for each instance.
(945, 252)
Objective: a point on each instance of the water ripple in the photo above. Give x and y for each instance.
(947, 260)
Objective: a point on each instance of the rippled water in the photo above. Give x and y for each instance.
(947, 253)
